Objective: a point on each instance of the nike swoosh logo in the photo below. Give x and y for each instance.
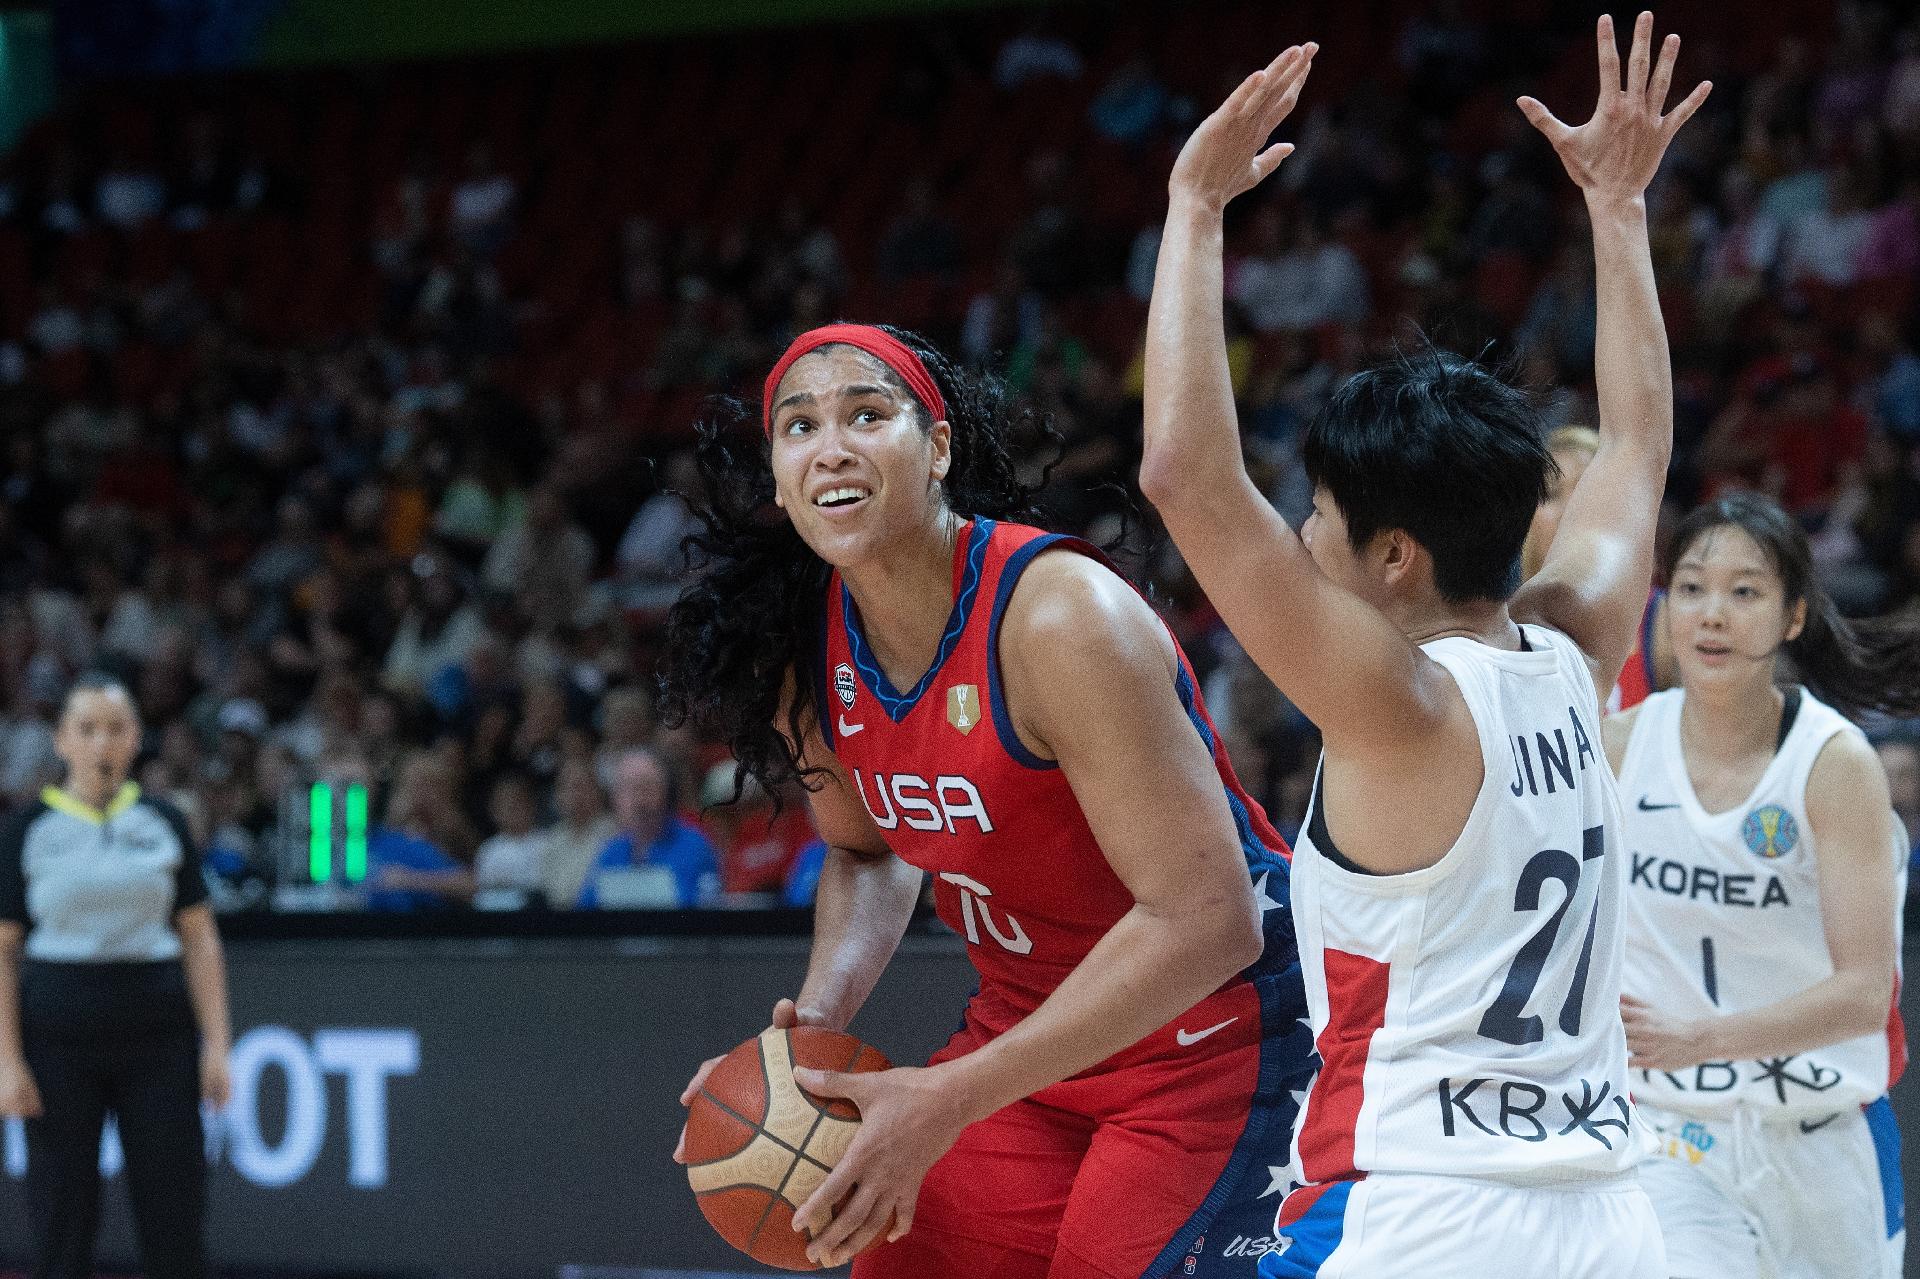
(1188, 1038)
(1807, 1127)
(1645, 807)
(848, 730)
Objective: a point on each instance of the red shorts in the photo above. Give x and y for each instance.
(1118, 1172)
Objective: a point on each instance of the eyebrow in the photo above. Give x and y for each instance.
(1699, 566)
(857, 389)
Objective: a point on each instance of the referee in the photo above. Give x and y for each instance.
(112, 998)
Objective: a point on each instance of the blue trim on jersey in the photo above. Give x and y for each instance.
(996, 696)
(1886, 1149)
(1314, 1237)
(1287, 1064)
(895, 704)
(821, 682)
(1646, 641)
(1260, 858)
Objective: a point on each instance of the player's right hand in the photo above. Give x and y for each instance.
(786, 1015)
(19, 1098)
(1228, 153)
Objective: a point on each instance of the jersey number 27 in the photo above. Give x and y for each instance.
(1506, 1018)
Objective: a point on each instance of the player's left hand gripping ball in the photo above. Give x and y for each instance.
(909, 1117)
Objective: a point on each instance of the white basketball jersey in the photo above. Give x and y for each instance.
(1723, 914)
(1467, 1014)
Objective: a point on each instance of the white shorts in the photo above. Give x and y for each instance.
(1783, 1198)
(1409, 1224)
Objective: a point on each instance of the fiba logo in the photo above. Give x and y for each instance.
(1770, 832)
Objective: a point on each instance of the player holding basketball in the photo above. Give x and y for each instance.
(1457, 890)
(1763, 913)
(995, 706)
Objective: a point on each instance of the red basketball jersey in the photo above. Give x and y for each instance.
(1637, 681)
(1016, 869)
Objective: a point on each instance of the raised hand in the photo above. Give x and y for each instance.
(1616, 153)
(1228, 153)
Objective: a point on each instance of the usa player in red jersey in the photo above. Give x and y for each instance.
(974, 699)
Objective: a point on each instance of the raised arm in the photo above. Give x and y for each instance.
(1338, 658)
(1593, 585)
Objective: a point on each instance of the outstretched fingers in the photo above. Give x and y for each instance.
(1542, 119)
(1684, 112)
(1641, 57)
(1663, 74)
(1609, 56)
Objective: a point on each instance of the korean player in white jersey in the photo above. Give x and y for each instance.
(1457, 892)
(1767, 873)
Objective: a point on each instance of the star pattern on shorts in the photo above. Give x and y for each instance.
(1260, 893)
(1276, 1182)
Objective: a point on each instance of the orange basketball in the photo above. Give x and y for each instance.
(758, 1144)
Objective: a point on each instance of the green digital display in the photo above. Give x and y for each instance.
(320, 815)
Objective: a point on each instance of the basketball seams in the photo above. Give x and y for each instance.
(800, 1131)
(758, 1129)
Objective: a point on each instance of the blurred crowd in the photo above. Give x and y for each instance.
(395, 559)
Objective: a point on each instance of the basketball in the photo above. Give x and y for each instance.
(758, 1144)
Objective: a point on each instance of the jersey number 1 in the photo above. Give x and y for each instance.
(1504, 1020)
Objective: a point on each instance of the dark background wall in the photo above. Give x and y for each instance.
(502, 1107)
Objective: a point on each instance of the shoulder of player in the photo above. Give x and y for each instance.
(1069, 601)
(1847, 783)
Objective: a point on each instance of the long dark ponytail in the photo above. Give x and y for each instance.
(1855, 665)
(753, 617)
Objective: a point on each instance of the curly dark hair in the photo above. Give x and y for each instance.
(753, 616)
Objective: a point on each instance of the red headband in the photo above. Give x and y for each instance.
(880, 344)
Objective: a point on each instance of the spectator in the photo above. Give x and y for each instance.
(515, 855)
(1296, 278)
(437, 631)
(651, 835)
(1831, 241)
(651, 562)
(410, 866)
(1889, 387)
(575, 841)
(544, 559)
(481, 205)
(755, 846)
(626, 724)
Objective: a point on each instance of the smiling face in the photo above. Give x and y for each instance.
(855, 466)
(1727, 610)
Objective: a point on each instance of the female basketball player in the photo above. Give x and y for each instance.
(974, 699)
(1763, 913)
(1650, 668)
(1458, 886)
